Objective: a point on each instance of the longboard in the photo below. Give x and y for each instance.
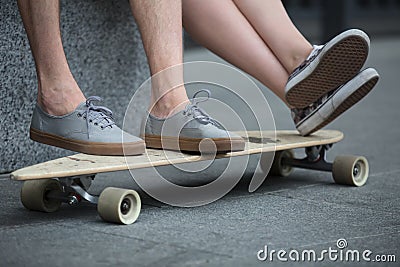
(67, 179)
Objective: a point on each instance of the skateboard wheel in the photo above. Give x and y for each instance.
(118, 205)
(350, 170)
(33, 195)
(278, 168)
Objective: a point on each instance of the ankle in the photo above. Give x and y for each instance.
(298, 58)
(59, 99)
(170, 103)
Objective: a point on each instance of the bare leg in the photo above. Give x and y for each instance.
(270, 20)
(258, 37)
(221, 27)
(160, 24)
(58, 92)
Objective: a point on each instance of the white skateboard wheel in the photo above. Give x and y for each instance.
(350, 170)
(278, 168)
(33, 195)
(118, 205)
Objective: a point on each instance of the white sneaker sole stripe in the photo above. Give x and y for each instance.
(345, 98)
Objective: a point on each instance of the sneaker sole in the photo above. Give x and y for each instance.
(93, 148)
(362, 85)
(207, 145)
(338, 62)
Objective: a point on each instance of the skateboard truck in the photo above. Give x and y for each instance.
(64, 197)
(315, 159)
(73, 189)
(345, 169)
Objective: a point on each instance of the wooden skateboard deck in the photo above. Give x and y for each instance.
(67, 180)
(256, 142)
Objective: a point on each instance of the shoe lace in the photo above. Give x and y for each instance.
(198, 113)
(98, 115)
(300, 113)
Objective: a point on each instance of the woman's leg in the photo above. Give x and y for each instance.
(58, 92)
(327, 67)
(222, 28)
(270, 20)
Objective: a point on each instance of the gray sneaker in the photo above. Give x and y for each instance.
(191, 129)
(88, 129)
(330, 106)
(327, 68)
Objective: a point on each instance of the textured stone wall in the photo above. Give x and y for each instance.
(106, 57)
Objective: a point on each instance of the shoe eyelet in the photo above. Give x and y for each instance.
(90, 120)
(102, 127)
(96, 123)
(79, 115)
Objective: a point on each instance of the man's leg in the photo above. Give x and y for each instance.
(82, 127)
(58, 92)
(160, 24)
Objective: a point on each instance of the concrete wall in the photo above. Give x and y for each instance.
(105, 54)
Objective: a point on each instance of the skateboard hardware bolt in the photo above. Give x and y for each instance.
(125, 206)
(73, 200)
(356, 169)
